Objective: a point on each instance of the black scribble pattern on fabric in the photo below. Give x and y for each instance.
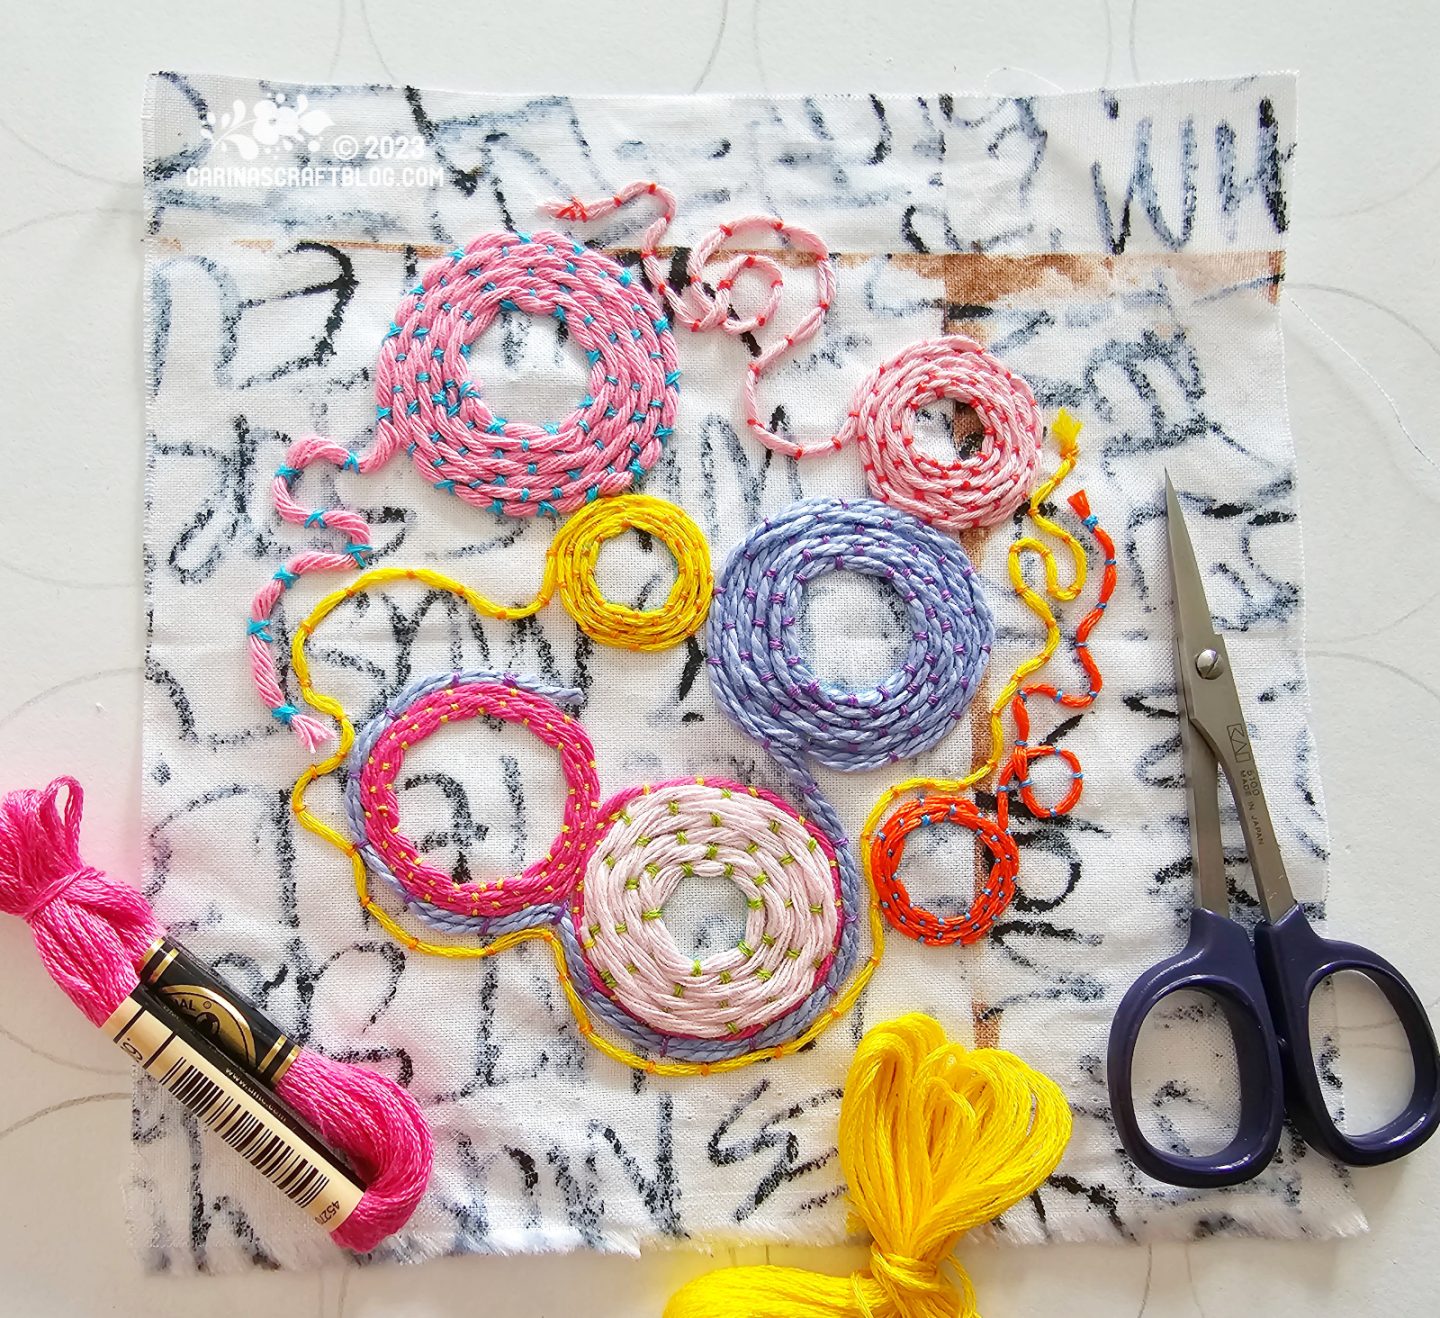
(580, 1198)
(168, 167)
(1014, 117)
(774, 1144)
(753, 468)
(340, 289)
(1098, 1196)
(233, 1217)
(1142, 187)
(658, 1191)
(1046, 840)
(464, 829)
(1268, 175)
(614, 1155)
(385, 963)
(161, 319)
(496, 142)
(201, 544)
(174, 692)
(470, 1218)
(1174, 231)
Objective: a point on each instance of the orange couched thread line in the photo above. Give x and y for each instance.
(1024, 754)
(937, 801)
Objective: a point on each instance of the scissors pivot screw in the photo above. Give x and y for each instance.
(1208, 663)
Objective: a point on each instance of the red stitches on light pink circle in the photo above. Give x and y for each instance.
(978, 490)
(550, 879)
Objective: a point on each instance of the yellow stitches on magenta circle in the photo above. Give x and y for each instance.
(377, 762)
(787, 874)
(570, 566)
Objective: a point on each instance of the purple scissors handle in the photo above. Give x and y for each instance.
(1265, 991)
(1219, 962)
(1293, 961)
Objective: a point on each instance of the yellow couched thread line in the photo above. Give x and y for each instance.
(570, 572)
(843, 1002)
(1066, 432)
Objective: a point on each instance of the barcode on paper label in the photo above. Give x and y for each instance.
(239, 1113)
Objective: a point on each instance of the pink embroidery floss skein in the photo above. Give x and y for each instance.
(92, 932)
(973, 490)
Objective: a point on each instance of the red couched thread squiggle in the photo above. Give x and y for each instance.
(92, 932)
(978, 489)
(1017, 769)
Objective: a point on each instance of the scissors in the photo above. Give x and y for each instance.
(1263, 991)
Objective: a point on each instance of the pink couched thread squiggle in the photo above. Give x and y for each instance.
(974, 490)
(427, 403)
(310, 449)
(91, 933)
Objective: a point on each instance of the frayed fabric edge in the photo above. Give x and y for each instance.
(422, 1247)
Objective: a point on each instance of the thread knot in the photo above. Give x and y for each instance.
(899, 1275)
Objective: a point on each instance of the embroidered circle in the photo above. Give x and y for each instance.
(576, 550)
(882, 842)
(1074, 783)
(976, 490)
(373, 809)
(719, 831)
(887, 849)
(428, 403)
(766, 683)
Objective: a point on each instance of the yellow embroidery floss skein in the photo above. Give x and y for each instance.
(935, 1138)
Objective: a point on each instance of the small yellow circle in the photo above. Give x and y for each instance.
(576, 550)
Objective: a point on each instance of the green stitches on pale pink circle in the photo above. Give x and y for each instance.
(715, 831)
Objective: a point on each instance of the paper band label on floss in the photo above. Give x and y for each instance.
(219, 1010)
(231, 1106)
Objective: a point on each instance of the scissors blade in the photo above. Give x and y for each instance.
(1194, 630)
(1211, 705)
(1202, 793)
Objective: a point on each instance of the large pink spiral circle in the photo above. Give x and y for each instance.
(428, 403)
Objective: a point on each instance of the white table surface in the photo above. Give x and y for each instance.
(1362, 324)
